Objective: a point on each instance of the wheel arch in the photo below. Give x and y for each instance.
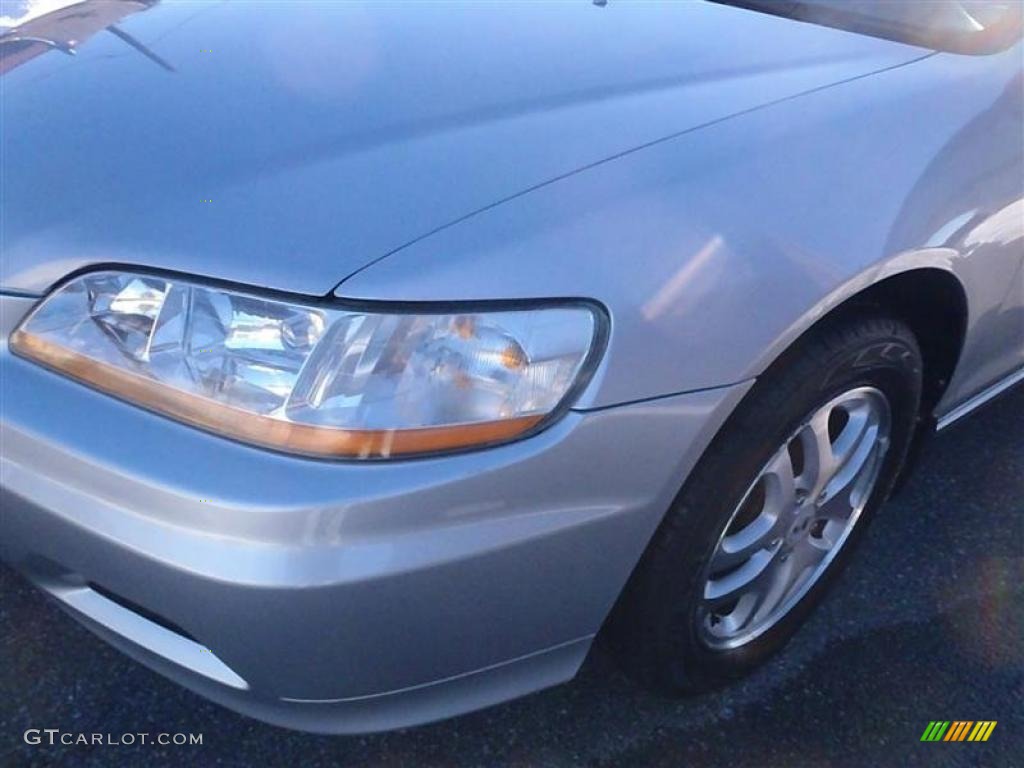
(920, 289)
(929, 298)
(933, 303)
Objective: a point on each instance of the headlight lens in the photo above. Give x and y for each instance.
(309, 379)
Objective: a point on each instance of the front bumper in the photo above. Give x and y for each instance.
(333, 596)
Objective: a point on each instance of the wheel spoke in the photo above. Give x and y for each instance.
(780, 484)
(837, 511)
(764, 531)
(803, 556)
(764, 595)
(747, 578)
(819, 458)
(858, 448)
(736, 549)
(853, 448)
(831, 532)
(838, 504)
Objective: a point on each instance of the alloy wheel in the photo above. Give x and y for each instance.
(794, 518)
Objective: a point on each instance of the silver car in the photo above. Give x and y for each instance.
(363, 365)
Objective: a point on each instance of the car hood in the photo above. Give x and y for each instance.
(288, 145)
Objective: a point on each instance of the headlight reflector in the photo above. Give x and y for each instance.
(313, 379)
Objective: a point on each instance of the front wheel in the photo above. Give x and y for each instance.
(775, 507)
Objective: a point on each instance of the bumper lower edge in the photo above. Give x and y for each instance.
(414, 706)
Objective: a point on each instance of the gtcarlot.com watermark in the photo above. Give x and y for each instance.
(55, 736)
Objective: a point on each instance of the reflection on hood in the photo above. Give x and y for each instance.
(29, 28)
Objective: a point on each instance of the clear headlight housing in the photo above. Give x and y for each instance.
(315, 379)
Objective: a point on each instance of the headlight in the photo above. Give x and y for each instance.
(312, 378)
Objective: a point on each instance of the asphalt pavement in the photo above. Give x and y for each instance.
(927, 624)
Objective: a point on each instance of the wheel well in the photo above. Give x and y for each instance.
(933, 303)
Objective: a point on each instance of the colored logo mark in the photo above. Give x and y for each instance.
(958, 730)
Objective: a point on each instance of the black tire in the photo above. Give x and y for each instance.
(654, 627)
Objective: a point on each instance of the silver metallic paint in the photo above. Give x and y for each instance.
(720, 247)
(329, 134)
(717, 178)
